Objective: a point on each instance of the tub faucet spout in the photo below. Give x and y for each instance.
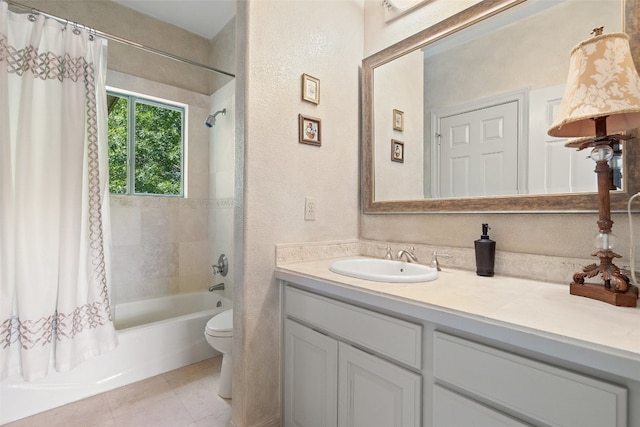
(218, 287)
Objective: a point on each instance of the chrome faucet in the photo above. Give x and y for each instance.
(409, 255)
(218, 287)
(434, 260)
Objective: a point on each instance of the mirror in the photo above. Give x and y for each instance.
(417, 92)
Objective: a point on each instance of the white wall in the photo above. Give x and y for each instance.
(379, 34)
(285, 39)
(399, 85)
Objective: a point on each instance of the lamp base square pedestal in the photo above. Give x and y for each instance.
(600, 293)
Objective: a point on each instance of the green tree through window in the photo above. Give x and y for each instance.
(147, 135)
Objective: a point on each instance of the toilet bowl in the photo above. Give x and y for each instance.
(219, 335)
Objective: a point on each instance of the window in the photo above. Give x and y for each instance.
(146, 148)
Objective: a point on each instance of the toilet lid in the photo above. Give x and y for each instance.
(222, 322)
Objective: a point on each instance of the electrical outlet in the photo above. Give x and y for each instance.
(309, 209)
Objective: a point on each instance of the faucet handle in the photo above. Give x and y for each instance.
(434, 259)
(222, 266)
(388, 249)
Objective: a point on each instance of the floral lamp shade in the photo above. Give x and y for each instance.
(602, 82)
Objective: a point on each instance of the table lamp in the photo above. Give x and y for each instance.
(601, 99)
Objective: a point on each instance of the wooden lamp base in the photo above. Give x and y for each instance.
(616, 289)
(600, 293)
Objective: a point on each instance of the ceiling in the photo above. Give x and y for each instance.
(203, 17)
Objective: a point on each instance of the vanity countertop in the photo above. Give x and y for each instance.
(538, 316)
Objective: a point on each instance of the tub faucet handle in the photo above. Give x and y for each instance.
(222, 266)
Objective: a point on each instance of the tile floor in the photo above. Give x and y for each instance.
(186, 397)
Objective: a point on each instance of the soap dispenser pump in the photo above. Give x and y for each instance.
(485, 253)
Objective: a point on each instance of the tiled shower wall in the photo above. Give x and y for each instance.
(221, 183)
(160, 245)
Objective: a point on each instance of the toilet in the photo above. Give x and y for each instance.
(219, 335)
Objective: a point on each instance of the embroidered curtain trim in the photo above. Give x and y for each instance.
(32, 333)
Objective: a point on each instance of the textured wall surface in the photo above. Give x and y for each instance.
(284, 40)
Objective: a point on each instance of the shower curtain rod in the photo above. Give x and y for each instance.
(118, 39)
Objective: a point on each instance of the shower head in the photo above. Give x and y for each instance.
(211, 120)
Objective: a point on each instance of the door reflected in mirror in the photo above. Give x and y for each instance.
(477, 105)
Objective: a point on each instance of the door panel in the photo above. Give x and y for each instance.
(479, 152)
(555, 168)
(376, 393)
(311, 363)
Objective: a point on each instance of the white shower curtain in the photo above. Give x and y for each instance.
(54, 222)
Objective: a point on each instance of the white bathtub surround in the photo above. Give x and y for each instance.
(149, 311)
(54, 236)
(150, 344)
(540, 267)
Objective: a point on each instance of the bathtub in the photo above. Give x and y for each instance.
(155, 336)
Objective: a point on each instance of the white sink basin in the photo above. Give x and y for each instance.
(384, 270)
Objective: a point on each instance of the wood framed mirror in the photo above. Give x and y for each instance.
(465, 24)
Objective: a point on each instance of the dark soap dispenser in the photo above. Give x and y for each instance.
(485, 253)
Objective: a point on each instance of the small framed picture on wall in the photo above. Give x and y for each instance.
(398, 120)
(397, 151)
(309, 129)
(310, 89)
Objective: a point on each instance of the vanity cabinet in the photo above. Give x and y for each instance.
(351, 347)
(347, 366)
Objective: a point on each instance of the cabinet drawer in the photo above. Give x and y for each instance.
(535, 390)
(390, 337)
(452, 409)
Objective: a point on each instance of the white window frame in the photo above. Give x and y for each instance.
(132, 98)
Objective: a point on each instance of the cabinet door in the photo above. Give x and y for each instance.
(452, 409)
(310, 377)
(375, 393)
